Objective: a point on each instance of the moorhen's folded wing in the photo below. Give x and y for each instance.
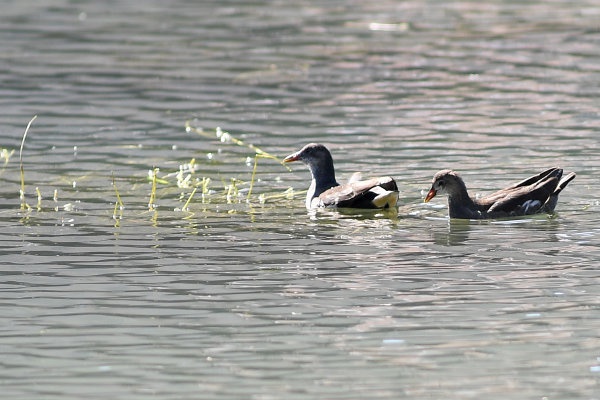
(371, 193)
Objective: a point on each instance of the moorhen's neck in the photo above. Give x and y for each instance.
(322, 171)
(459, 200)
(323, 176)
(458, 190)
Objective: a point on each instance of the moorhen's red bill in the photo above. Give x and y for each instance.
(535, 195)
(325, 191)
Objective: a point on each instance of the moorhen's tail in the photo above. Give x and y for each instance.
(553, 199)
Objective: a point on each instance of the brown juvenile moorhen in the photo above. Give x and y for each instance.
(534, 195)
(325, 191)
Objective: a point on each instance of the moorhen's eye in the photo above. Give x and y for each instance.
(441, 184)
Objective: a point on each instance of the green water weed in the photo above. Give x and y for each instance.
(6, 154)
(226, 137)
(119, 206)
(24, 205)
(153, 178)
(190, 185)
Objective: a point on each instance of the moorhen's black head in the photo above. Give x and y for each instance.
(446, 182)
(318, 159)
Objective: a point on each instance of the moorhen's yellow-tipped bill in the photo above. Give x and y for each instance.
(430, 195)
(325, 191)
(291, 158)
(534, 195)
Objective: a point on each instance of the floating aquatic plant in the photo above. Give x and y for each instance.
(234, 189)
(152, 175)
(226, 137)
(119, 206)
(24, 205)
(6, 154)
(191, 185)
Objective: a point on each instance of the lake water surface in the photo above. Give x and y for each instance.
(240, 295)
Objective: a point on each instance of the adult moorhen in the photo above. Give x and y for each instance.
(325, 191)
(534, 195)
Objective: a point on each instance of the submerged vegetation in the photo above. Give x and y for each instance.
(185, 186)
